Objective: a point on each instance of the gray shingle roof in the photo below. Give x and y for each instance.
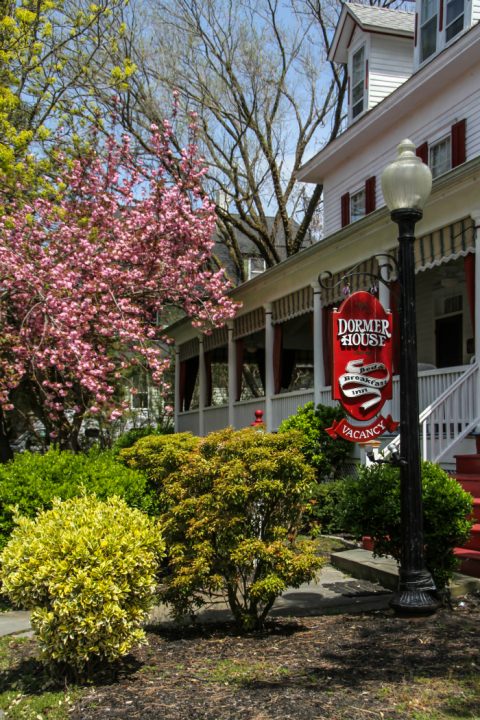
(380, 18)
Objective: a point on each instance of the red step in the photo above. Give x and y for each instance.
(468, 464)
(470, 483)
(474, 542)
(476, 509)
(469, 561)
(468, 475)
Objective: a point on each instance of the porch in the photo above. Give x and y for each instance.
(448, 401)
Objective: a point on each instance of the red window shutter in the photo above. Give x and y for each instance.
(416, 30)
(345, 209)
(458, 143)
(370, 199)
(366, 74)
(422, 152)
(440, 16)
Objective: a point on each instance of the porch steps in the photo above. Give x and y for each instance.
(468, 475)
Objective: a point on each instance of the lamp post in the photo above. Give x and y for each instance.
(406, 185)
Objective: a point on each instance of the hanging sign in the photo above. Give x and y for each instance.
(362, 367)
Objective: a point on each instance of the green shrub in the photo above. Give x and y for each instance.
(370, 505)
(86, 569)
(156, 456)
(325, 454)
(321, 514)
(31, 481)
(130, 437)
(232, 510)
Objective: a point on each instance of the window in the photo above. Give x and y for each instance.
(440, 156)
(255, 266)
(357, 205)
(428, 28)
(139, 391)
(358, 81)
(455, 18)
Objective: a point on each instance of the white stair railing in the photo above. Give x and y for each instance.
(450, 418)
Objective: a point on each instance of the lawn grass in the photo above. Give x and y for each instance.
(433, 699)
(26, 690)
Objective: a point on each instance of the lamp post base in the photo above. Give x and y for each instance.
(416, 594)
(414, 602)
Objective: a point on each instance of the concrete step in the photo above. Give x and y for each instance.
(363, 565)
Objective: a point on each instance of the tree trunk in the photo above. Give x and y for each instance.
(6, 452)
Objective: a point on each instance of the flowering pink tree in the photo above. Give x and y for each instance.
(84, 280)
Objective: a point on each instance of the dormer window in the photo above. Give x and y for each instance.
(358, 82)
(255, 266)
(440, 156)
(428, 28)
(357, 205)
(455, 18)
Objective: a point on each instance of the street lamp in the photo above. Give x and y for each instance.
(406, 185)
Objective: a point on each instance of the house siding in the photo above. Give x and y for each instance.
(390, 64)
(475, 11)
(431, 121)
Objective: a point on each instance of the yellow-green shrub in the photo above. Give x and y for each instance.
(156, 456)
(86, 569)
(232, 509)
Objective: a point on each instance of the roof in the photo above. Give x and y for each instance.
(369, 19)
(376, 18)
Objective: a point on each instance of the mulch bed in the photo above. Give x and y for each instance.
(334, 667)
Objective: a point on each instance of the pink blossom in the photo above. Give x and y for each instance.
(84, 281)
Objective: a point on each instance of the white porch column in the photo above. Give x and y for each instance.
(384, 298)
(269, 383)
(476, 330)
(177, 388)
(202, 387)
(318, 361)
(232, 374)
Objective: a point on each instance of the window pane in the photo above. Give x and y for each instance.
(358, 67)
(429, 9)
(440, 157)
(454, 28)
(357, 94)
(357, 109)
(429, 38)
(454, 9)
(357, 206)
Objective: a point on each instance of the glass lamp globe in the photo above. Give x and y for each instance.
(407, 181)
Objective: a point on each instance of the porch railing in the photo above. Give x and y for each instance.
(215, 418)
(447, 398)
(451, 416)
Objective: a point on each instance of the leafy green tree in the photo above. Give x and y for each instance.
(51, 52)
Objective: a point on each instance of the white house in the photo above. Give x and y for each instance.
(411, 75)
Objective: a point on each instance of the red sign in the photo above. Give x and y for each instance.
(362, 365)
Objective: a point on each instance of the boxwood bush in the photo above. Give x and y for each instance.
(370, 505)
(231, 511)
(326, 455)
(87, 570)
(31, 481)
